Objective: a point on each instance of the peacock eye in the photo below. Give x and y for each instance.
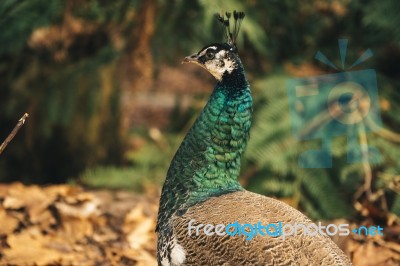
(210, 55)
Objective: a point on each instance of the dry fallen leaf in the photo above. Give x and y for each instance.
(370, 254)
(8, 222)
(29, 248)
(66, 225)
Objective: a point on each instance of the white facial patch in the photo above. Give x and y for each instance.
(220, 64)
(205, 51)
(178, 254)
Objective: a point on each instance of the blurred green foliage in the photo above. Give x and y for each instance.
(147, 169)
(58, 64)
(323, 193)
(64, 63)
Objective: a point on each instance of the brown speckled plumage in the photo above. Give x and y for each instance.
(247, 207)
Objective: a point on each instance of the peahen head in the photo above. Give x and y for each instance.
(221, 59)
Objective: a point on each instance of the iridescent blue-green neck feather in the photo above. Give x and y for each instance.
(208, 161)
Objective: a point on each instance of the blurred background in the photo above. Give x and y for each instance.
(109, 101)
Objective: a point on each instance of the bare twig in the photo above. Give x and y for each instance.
(383, 132)
(9, 138)
(365, 161)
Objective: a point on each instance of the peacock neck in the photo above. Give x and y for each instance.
(208, 161)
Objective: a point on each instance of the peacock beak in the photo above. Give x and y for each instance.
(194, 58)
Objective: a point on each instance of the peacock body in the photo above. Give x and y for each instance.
(202, 185)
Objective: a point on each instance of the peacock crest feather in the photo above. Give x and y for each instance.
(231, 36)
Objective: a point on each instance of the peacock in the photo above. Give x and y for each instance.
(201, 192)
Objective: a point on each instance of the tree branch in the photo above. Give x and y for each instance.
(9, 138)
